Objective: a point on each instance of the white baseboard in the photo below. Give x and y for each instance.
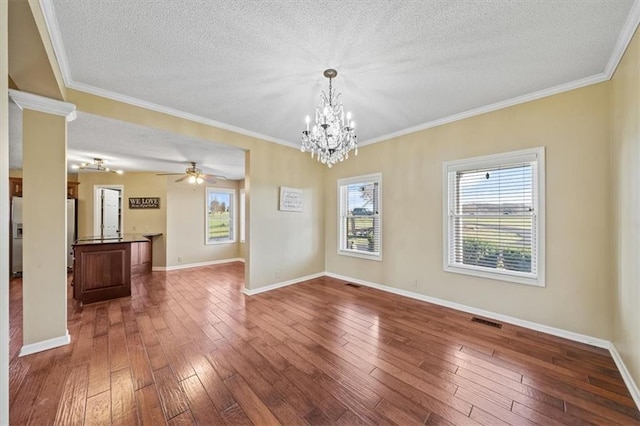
(282, 284)
(582, 338)
(33, 348)
(196, 265)
(626, 376)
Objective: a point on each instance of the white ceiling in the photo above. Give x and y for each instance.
(256, 66)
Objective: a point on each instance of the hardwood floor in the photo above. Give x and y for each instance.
(188, 347)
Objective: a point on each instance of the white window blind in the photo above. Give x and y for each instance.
(493, 223)
(360, 214)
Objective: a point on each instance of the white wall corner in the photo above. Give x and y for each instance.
(42, 104)
(45, 345)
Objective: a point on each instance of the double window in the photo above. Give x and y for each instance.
(360, 216)
(494, 216)
(220, 211)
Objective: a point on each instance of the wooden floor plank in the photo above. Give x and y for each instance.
(171, 396)
(251, 404)
(149, 409)
(74, 396)
(98, 410)
(188, 347)
(123, 402)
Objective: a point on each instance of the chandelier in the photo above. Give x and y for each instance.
(98, 165)
(333, 135)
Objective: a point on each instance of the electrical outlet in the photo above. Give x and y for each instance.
(414, 283)
(179, 258)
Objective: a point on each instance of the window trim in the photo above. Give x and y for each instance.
(232, 238)
(494, 160)
(242, 213)
(377, 177)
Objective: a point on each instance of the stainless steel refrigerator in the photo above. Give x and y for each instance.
(16, 233)
(16, 236)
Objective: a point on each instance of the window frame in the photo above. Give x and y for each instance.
(233, 219)
(242, 211)
(342, 250)
(536, 155)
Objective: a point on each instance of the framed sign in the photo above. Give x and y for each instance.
(144, 202)
(290, 199)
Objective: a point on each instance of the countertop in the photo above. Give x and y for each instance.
(124, 238)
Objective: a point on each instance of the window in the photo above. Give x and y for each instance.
(220, 212)
(494, 216)
(242, 215)
(360, 217)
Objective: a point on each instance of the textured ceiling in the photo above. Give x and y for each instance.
(256, 66)
(131, 147)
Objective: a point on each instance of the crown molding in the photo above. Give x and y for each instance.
(628, 30)
(48, 11)
(42, 104)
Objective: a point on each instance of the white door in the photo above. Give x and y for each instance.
(110, 212)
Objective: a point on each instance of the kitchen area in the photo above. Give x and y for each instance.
(16, 224)
(102, 262)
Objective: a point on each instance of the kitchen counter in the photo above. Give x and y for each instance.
(125, 238)
(103, 267)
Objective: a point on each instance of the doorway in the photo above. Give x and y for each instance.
(108, 220)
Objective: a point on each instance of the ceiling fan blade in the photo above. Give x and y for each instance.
(209, 179)
(215, 177)
(182, 178)
(169, 174)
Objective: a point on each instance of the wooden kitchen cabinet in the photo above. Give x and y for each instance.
(15, 188)
(72, 189)
(140, 258)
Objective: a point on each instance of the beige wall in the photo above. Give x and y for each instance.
(625, 107)
(44, 257)
(135, 221)
(284, 245)
(186, 220)
(574, 128)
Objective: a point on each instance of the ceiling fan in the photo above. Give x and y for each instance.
(194, 175)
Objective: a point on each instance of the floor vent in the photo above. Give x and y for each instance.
(486, 322)
(353, 285)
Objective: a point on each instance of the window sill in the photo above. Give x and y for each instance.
(213, 243)
(536, 282)
(361, 255)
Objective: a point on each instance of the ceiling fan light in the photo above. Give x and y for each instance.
(75, 166)
(199, 180)
(192, 179)
(119, 172)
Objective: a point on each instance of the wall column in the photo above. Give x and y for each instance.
(4, 215)
(44, 186)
